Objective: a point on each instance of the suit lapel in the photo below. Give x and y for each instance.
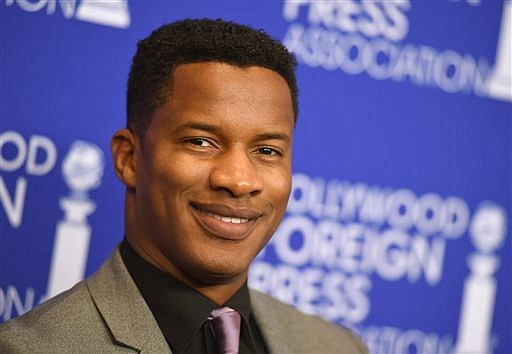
(123, 309)
(275, 331)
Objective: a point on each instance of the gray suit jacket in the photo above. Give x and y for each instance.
(106, 313)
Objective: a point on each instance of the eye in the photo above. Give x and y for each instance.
(199, 142)
(269, 151)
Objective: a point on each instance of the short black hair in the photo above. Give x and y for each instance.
(193, 41)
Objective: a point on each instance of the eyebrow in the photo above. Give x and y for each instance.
(199, 126)
(216, 129)
(273, 136)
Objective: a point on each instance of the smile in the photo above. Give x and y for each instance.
(224, 221)
(229, 219)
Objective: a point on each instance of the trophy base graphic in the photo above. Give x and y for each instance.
(71, 246)
(477, 307)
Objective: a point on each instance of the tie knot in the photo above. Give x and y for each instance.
(225, 323)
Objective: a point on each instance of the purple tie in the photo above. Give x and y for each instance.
(226, 326)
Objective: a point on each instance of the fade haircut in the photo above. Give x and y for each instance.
(194, 41)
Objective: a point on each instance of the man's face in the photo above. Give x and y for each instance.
(213, 173)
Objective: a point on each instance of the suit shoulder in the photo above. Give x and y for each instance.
(319, 332)
(59, 324)
(54, 307)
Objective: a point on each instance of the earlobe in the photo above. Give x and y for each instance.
(123, 146)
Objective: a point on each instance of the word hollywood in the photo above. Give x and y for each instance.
(36, 155)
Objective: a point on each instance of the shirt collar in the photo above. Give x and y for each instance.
(179, 310)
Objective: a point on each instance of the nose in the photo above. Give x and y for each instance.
(235, 173)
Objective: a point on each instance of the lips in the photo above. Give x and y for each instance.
(224, 221)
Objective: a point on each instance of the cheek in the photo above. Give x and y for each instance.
(279, 187)
(179, 173)
(190, 177)
(161, 181)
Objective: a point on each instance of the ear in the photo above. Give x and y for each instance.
(124, 151)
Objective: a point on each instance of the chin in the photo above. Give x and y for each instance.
(223, 271)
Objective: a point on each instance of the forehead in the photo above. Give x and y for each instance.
(218, 91)
(226, 78)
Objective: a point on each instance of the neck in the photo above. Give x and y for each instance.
(220, 294)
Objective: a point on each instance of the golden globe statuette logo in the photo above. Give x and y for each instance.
(114, 13)
(82, 170)
(488, 232)
(500, 82)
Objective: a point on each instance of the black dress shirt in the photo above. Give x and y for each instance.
(181, 312)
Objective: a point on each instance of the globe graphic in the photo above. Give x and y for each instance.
(489, 227)
(83, 166)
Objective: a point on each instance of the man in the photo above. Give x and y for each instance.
(206, 161)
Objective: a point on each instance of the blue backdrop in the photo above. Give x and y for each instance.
(398, 223)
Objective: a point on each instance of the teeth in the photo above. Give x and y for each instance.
(230, 219)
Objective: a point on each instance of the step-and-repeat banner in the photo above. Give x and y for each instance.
(398, 225)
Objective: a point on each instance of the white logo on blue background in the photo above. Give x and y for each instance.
(82, 170)
(83, 167)
(112, 13)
